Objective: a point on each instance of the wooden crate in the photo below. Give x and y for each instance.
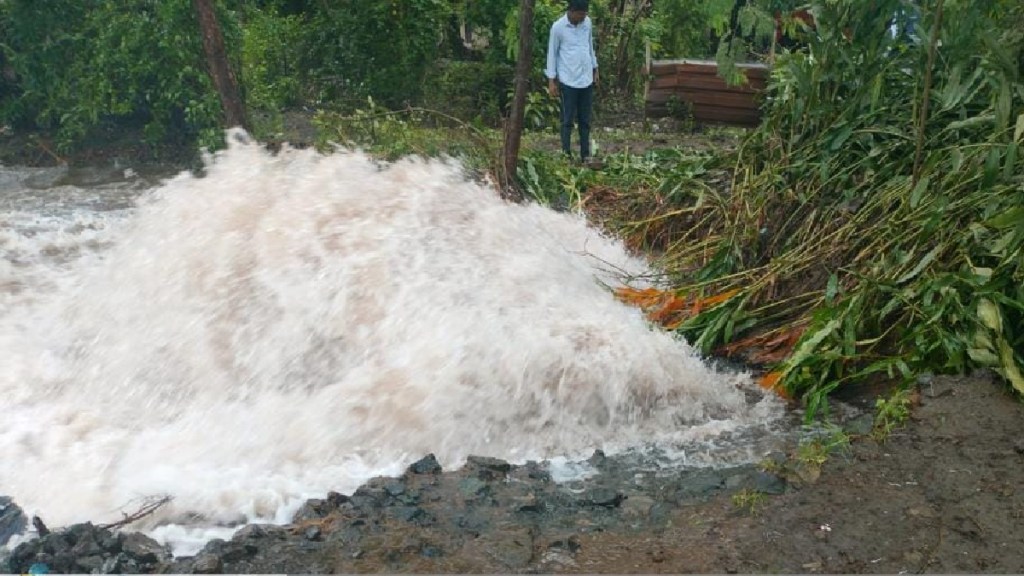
(696, 85)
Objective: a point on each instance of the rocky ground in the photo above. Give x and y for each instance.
(939, 495)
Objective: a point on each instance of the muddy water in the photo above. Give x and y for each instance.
(292, 324)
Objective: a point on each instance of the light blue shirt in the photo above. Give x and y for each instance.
(571, 56)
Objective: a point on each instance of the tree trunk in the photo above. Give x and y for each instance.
(514, 129)
(218, 67)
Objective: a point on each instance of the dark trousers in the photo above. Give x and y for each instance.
(576, 105)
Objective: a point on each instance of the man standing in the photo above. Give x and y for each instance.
(572, 72)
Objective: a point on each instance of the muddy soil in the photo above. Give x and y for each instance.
(940, 495)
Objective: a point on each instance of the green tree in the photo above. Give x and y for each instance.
(381, 49)
(81, 63)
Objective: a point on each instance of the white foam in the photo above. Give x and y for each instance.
(293, 324)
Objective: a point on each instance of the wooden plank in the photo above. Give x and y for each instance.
(752, 69)
(708, 113)
(702, 83)
(731, 116)
(704, 62)
(696, 84)
(713, 98)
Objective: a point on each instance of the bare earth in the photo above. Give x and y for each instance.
(939, 496)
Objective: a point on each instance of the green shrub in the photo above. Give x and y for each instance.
(382, 49)
(83, 63)
(271, 66)
(471, 91)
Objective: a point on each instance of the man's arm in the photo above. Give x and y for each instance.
(554, 43)
(593, 55)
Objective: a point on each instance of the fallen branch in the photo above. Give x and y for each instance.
(150, 506)
(42, 145)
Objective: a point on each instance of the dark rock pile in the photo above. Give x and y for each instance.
(489, 516)
(85, 548)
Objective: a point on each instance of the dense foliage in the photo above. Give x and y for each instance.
(72, 66)
(876, 225)
(79, 64)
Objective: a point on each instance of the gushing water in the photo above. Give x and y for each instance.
(296, 323)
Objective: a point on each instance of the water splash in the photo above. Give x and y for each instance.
(296, 323)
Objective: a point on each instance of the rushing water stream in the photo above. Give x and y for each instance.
(292, 324)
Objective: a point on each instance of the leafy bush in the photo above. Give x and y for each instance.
(271, 70)
(469, 90)
(80, 63)
(870, 234)
(382, 49)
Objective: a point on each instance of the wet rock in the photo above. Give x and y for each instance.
(426, 465)
(254, 532)
(697, 485)
(316, 508)
(527, 503)
(349, 535)
(207, 563)
(598, 459)
(313, 533)
(373, 495)
(78, 548)
(488, 469)
(768, 483)
(120, 564)
(228, 552)
(39, 526)
(412, 514)
(637, 508)
(602, 497)
(394, 488)
(860, 426)
(511, 549)
(534, 471)
(144, 549)
(473, 487)
(312, 509)
(570, 544)
(90, 564)
(12, 520)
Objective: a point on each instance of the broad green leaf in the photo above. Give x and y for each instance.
(925, 261)
(957, 159)
(832, 288)
(991, 171)
(1011, 218)
(809, 344)
(983, 356)
(972, 122)
(841, 138)
(1004, 103)
(990, 316)
(982, 272)
(1010, 164)
(918, 191)
(1010, 368)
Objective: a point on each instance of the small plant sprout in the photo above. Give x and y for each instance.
(749, 500)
